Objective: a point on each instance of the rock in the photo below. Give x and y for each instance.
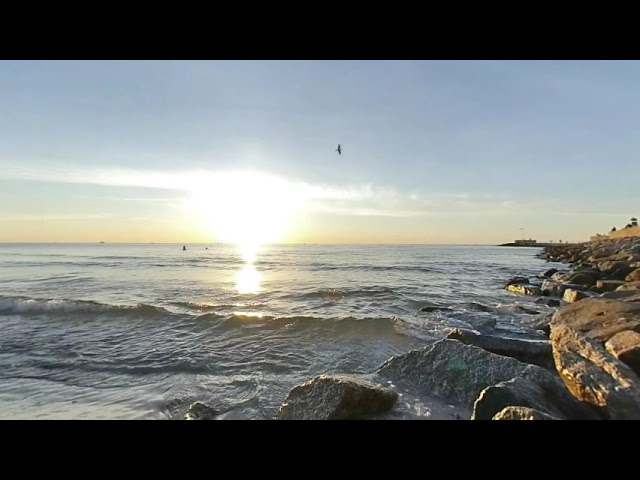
(549, 302)
(619, 295)
(337, 397)
(517, 281)
(633, 276)
(531, 290)
(599, 318)
(609, 285)
(455, 371)
(571, 295)
(479, 307)
(522, 413)
(586, 278)
(625, 346)
(550, 397)
(616, 270)
(629, 287)
(635, 298)
(549, 272)
(594, 376)
(539, 322)
(536, 352)
(560, 276)
(552, 288)
(433, 308)
(200, 411)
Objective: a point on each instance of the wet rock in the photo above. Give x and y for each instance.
(522, 413)
(201, 411)
(599, 318)
(536, 352)
(479, 307)
(517, 281)
(550, 397)
(434, 308)
(552, 288)
(531, 290)
(560, 276)
(625, 346)
(594, 376)
(337, 397)
(455, 371)
(539, 322)
(528, 311)
(549, 302)
(550, 272)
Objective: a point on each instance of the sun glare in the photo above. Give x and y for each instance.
(245, 208)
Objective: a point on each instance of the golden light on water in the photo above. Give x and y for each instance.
(247, 209)
(248, 280)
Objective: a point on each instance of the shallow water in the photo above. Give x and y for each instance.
(142, 331)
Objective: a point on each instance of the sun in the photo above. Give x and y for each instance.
(248, 209)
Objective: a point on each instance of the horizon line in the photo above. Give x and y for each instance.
(266, 244)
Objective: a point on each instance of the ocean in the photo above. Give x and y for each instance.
(141, 331)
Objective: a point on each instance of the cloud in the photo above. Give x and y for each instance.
(356, 200)
(34, 217)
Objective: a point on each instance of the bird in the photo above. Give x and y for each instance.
(339, 150)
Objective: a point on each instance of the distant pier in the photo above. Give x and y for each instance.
(534, 243)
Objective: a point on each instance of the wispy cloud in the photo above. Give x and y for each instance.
(34, 217)
(357, 200)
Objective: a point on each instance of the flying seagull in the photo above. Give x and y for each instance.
(339, 150)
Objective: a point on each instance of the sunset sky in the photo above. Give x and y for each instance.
(460, 152)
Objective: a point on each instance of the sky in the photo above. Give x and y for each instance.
(433, 152)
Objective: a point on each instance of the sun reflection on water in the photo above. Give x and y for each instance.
(248, 279)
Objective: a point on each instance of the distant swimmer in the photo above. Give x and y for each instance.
(339, 150)
(184, 247)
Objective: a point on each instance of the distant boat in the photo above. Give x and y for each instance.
(101, 242)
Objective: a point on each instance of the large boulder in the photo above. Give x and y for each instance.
(594, 376)
(625, 346)
(522, 413)
(337, 397)
(599, 318)
(536, 352)
(549, 396)
(457, 372)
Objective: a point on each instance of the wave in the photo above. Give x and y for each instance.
(26, 305)
(340, 293)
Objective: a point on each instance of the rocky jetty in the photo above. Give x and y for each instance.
(586, 368)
